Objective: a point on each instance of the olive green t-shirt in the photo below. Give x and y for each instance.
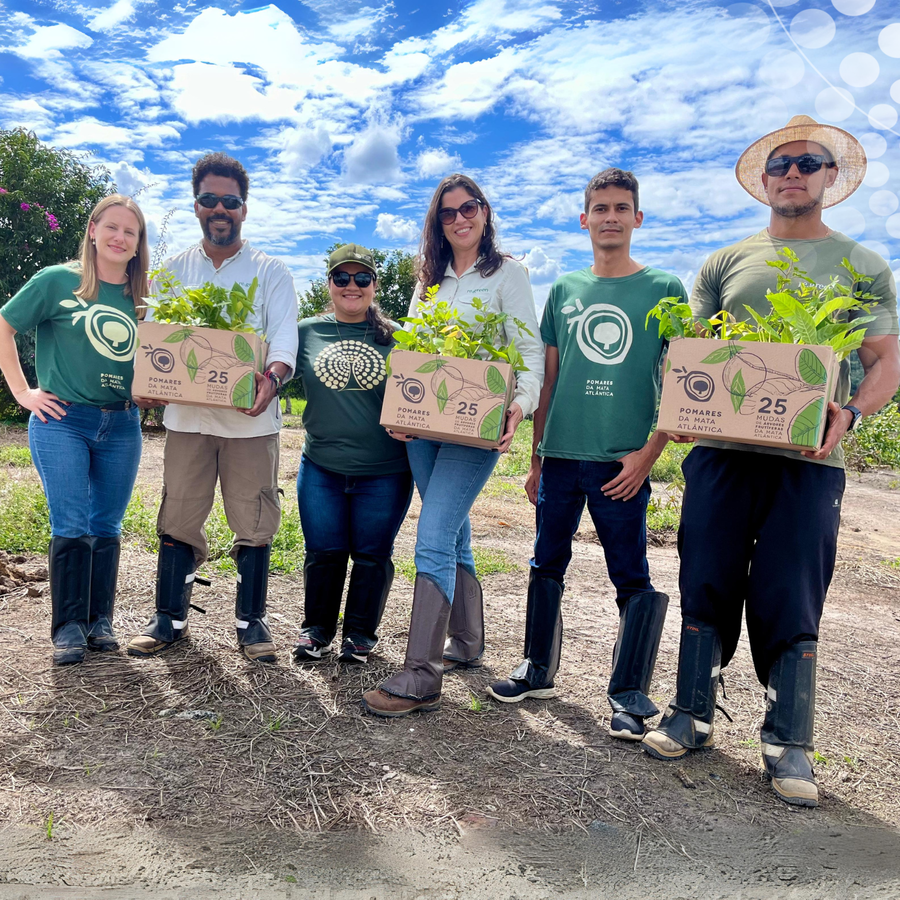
(738, 275)
(605, 396)
(84, 349)
(344, 376)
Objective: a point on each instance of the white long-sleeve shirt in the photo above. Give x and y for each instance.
(508, 291)
(274, 314)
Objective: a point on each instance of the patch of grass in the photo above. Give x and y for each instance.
(405, 566)
(24, 517)
(876, 442)
(517, 459)
(667, 468)
(139, 523)
(664, 510)
(493, 562)
(497, 487)
(19, 457)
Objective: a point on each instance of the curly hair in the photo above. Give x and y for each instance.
(611, 178)
(435, 253)
(220, 164)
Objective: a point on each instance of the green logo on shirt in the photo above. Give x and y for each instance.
(604, 332)
(111, 333)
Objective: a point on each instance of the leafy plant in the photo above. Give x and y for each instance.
(207, 306)
(439, 329)
(803, 312)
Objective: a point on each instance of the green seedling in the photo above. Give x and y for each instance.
(49, 827)
(752, 743)
(213, 726)
(290, 879)
(475, 704)
(273, 723)
(820, 760)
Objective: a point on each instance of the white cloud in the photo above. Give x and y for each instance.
(373, 157)
(120, 11)
(91, 131)
(48, 41)
(495, 20)
(396, 228)
(437, 162)
(303, 147)
(541, 268)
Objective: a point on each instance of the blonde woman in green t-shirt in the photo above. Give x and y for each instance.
(84, 431)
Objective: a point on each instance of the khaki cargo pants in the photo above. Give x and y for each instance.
(247, 469)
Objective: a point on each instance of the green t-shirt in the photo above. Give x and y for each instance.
(605, 396)
(343, 374)
(738, 275)
(84, 349)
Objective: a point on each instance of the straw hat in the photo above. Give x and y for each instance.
(846, 150)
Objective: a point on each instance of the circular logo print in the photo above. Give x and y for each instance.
(111, 332)
(162, 360)
(412, 389)
(604, 334)
(340, 361)
(698, 386)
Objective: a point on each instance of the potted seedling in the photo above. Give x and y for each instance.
(765, 381)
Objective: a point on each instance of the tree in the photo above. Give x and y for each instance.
(46, 196)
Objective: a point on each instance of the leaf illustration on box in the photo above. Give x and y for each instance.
(432, 365)
(241, 393)
(242, 349)
(738, 391)
(724, 354)
(805, 427)
(810, 368)
(192, 364)
(176, 337)
(441, 395)
(494, 381)
(490, 424)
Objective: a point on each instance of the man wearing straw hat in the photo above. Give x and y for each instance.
(759, 525)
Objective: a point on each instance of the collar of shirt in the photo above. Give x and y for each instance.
(244, 245)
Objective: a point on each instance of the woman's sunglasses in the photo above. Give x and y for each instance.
(342, 279)
(806, 164)
(469, 209)
(211, 201)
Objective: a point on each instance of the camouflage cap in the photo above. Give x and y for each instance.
(352, 253)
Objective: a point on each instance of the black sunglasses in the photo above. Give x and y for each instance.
(211, 201)
(342, 279)
(807, 163)
(469, 209)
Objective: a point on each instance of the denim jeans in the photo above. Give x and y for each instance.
(566, 485)
(352, 513)
(449, 477)
(87, 461)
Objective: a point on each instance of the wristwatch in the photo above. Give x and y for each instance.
(857, 416)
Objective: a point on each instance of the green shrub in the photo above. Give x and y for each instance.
(876, 442)
(19, 457)
(24, 517)
(668, 467)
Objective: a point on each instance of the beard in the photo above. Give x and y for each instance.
(796, 211)
(221, 240)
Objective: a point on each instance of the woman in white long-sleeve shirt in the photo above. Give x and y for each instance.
(459, 253)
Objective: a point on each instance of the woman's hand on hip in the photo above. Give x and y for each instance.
(40, 402)
(514, 416)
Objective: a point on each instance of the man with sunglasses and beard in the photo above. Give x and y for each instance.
(239, 447)
(759, 525)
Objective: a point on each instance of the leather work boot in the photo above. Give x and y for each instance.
(70, 595)
(253, 633)
(688, 721)
(174, 584)
(104, 574)
(464, 648)
(533, 677)
(417, 687)
(787, 729)
(641, 621)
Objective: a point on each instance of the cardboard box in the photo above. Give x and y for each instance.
(442, 398)
(771, 395)
(197, 366)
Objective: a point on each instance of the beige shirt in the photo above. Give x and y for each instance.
(508, 290)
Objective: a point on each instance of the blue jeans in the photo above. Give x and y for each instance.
(357, 514)
(449, 478)
(87, 461)
(566, 485)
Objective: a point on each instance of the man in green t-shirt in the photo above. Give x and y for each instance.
(759, 525)
(596, 410)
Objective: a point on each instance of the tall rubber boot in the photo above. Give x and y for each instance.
(787, 729)
(175, 569)
(323, 586)
(418, 685)
(253, 633)
(464, 648)
(370, 583)
(70, 596)
(543, 642)
(688, 722)
(641, 621)
(105, 552)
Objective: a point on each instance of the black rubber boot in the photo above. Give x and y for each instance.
(174, 583)
(787, 730)
(688, 722)
(465, 636)
(370, 583)
(543, 642)
(70, 595)
(104, 574)
(324, 574)
(641, 621)
(253, 633)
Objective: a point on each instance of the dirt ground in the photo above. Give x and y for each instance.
(198, 774)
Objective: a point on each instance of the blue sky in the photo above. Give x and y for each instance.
(346, 114)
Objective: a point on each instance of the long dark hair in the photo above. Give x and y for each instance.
(435, 253)
(382, 327)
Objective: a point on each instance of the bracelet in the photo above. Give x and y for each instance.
(275, 378)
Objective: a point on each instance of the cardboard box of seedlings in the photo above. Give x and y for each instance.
(442, 398)
(773, 395)
(197, 366)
